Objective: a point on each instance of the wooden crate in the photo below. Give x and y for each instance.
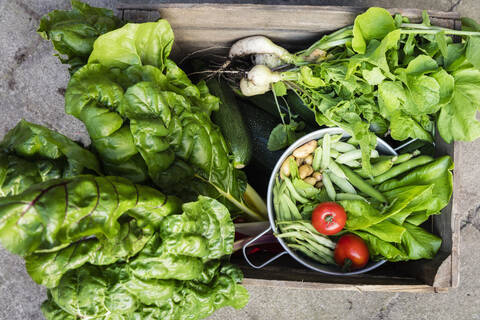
(200, 26)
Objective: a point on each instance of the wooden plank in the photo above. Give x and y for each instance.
(415, 288)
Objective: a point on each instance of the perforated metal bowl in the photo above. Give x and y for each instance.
(382, 147)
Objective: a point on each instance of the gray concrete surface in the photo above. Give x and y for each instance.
(32, 82)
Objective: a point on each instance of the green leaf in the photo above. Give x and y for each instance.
(374, 76)
(53, 214)
(283, 135)
(442, 42)
(48, 268)
(380, 249)
(73, 32)
(420, 65)
(457, 120)
(425, 18)
(134, 44)
(279, 88)
(473, 46)
(418, 243)
(437, 173)
(308, 79)
(375, 23)
(30, 153)
(447, 85)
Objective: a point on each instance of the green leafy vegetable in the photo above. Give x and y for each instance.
(392, 232)
(147, 120)
(30, 153)
(283, 135)
(74, 32)
(52, 215)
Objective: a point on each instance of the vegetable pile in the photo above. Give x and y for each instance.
(105, 246)
(384, 210)
(139, 225)
(145, 230)
(383, 75)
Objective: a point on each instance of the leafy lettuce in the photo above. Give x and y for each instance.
(393, 232)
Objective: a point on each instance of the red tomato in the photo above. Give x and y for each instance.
(329, 218)
(351, 252)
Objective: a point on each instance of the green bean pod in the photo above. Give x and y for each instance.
(328, 186)
(349, 196)
(342, 183)
(317, 158)
(361, 185)
(404, 157)
(401, 168)
(378, 168)
(293, 191)
(326, 152)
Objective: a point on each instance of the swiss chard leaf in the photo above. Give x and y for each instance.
(74, 32)
(31, 153)
(51, 215)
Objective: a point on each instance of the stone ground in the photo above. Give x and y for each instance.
(32, 84)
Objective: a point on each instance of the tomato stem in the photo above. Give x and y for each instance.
(329, 218)
(347, 263)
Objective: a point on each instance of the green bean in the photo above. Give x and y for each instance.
(361, 185)
(306, 226)
(319, 249)
(343, 146)
(276, 197)
(294, 192)
(401, 168)
(353, 164)
(404, 157)
(317, 158)
(326, 151)
(292, 207)
(328, 186)
(326, 256)
(378, 168)
(334, 153)
(334, 168)
(307, 252)
(354, 155)
(349, 196)
(342, 183)
(293, 168)
(284, 212)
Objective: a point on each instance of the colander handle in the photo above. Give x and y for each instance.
(249, 243)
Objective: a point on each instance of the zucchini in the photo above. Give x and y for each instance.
(267, 103)
(260, 124)
(229, 119)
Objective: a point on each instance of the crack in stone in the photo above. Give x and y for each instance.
(455, 5)
(384, 311)
(470, 219)
(32, 13)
